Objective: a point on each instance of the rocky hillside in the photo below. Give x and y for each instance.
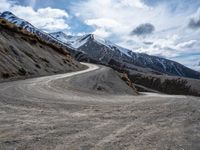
(23, 54)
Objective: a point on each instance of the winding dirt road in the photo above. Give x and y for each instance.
(43, 113)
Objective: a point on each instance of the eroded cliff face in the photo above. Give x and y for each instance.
(23, 54)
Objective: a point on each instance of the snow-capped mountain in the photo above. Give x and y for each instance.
(78, 41)
(110, 54)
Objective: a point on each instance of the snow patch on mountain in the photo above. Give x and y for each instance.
(78, 41)
(65, 38)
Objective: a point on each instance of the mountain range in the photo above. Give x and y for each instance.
(95, 49)
(107, 53)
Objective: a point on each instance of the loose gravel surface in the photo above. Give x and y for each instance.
(43, 114)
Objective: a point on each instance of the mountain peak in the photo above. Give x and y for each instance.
(7, 13)
(94, 37)
(61, 36)
(10, 17)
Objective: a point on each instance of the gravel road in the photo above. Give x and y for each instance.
(45, 114)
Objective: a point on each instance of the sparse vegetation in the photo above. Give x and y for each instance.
(38, 66)
(125, 78)
(176, 86)
(33, 41)
(3, 21)
(5, 75)
(13, 50)
(29, 54)
(22, 71)
(44, 59)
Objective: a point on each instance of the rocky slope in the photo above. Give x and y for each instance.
(23, 54)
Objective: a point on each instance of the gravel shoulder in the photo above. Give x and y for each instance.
(37, 114)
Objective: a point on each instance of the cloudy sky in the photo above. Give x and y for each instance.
(166, 28)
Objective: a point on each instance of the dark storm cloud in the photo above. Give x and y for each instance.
(148, 43)
(143, 29)
(194, 23)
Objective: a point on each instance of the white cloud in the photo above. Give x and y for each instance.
(101, 32)
(194, 21)
(133, 3)
(5, 5)
(103, 22)
(169, 47)
(48, 19)
(52, 13)
(120, 17)
(187, 44)
(103, 26)
(164, 47)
